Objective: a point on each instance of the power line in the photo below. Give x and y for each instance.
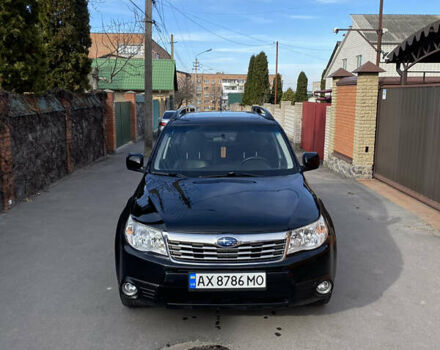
(207, 29)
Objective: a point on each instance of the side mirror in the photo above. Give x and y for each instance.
(135, 162)
(311, 161)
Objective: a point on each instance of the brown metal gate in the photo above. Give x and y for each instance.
(408, 141)
(313, 127)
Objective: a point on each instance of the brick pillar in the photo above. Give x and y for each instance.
(332, 122)
(6, 167)
(365, 119)
(130, 96)
(110, 122)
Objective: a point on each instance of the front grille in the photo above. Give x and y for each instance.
(248, 252)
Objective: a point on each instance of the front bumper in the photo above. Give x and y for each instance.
(292, 281)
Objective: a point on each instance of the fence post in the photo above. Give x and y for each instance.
(6, 165)
(110, 121)
(365, 119)
(130, 96)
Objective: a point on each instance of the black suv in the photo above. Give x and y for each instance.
(224, 217)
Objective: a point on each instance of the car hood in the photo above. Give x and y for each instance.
(225, 205)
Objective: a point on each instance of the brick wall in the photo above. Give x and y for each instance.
(351, 130)
(344, 123)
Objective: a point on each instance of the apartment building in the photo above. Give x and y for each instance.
(212, 90)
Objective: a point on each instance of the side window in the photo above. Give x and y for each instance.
(359, 61)
(344, 63)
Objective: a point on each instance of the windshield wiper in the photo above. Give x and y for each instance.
(171, 174)
(233, 174)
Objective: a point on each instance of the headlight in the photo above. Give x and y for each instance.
(308, 237)
(144, 238)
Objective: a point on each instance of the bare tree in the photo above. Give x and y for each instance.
(217, 93)
(117, 46)
(185, 92)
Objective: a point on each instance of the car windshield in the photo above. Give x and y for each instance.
(168, 115)
(224, 150)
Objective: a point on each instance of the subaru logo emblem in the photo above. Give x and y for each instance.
(227, 242)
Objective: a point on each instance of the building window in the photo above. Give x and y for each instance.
(157, 56)
(130, 50)
(206, 81)
(359, 61)
(344, 63)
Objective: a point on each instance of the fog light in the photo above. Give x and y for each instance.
(324, 287)
(129, 289)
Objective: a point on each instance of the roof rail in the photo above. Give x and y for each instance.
(263, 112)
(184, 110)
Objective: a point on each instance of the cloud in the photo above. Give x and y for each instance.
(330, 1)
(250, 49)
(304, 17)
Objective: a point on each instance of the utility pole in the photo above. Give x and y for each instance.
(276, 76)
(148, 103)
(196, 66)
(379, 34)
(172, 46)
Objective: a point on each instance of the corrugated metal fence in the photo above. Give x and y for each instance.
(408, 141)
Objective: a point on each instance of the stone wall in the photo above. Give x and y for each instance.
(43, 138)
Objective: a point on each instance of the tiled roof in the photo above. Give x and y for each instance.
(130, 74)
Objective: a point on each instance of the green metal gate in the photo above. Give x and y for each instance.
(122, 113)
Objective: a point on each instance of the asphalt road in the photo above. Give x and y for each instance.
(58, 286)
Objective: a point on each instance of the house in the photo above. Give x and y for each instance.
(130, 45)
(355, 50)
(122, 75)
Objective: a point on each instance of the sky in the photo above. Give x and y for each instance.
(236, 29)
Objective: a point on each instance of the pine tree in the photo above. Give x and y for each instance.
(279, 90)
(323, 80)
(301, 88)
(261, 79)
(289, 95)
(248, 86)
(66, 34)
(22, 66)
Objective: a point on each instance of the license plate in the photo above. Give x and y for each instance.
(236, 280)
